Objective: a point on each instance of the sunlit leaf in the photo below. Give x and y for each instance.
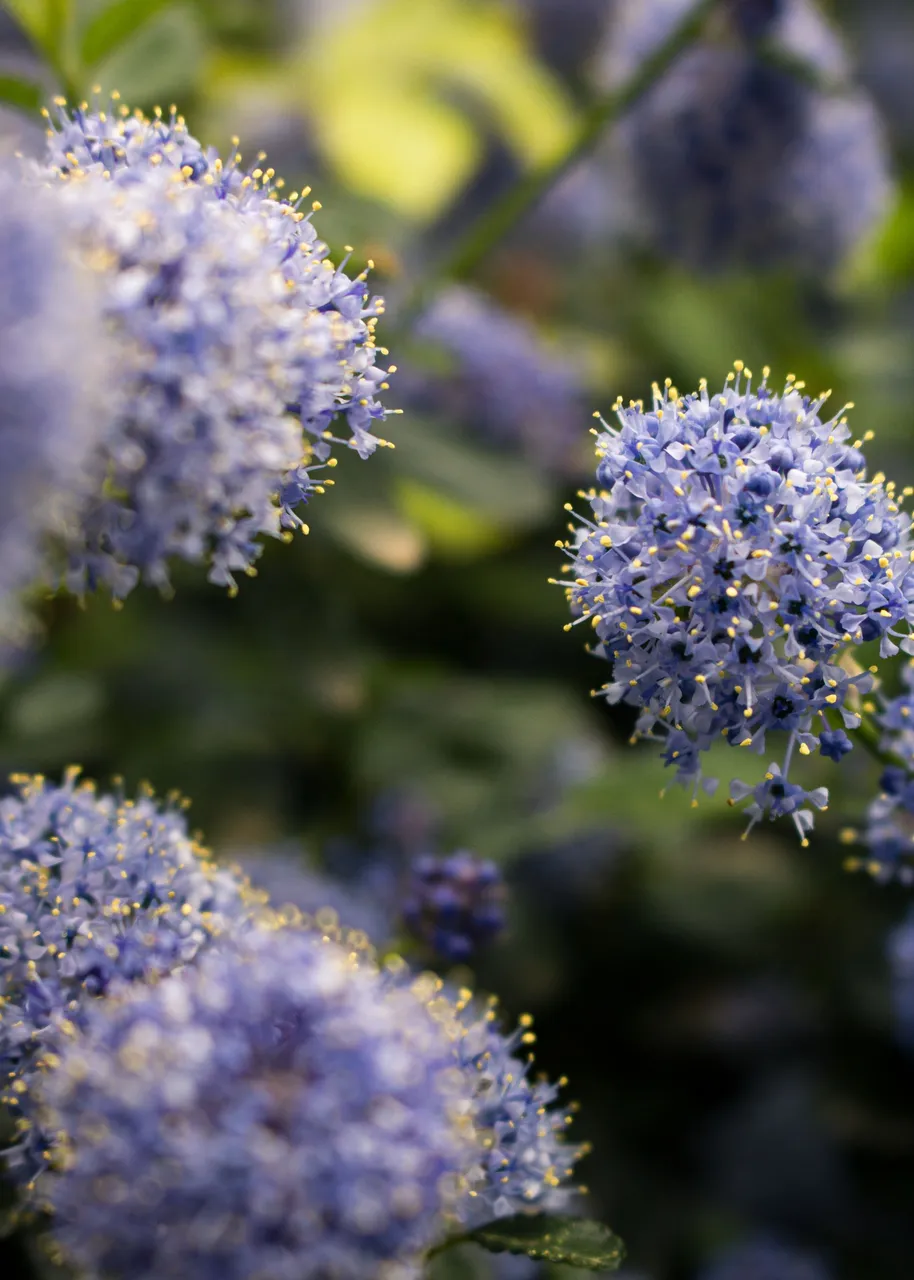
(451, 528)
(376, 534)
(403, 134)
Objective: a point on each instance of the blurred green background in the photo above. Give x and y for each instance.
(722, 1008)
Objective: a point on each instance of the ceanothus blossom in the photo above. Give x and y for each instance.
(735, 553)
(526, 1162)
(95, 890)
(241, 345)
(51, 399)
(889, 830)
(738, 159)
(280, 1109)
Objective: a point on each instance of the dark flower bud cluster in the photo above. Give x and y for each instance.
(50, 403)
(455, 905)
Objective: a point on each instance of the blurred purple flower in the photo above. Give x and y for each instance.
(739, 161)
(501, 379)
(240, 345)
(455, 905)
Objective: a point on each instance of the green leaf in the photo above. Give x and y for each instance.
(33, 16)
(114, 24)
(439, 67)
(21, 93)
(576, 1242)
(160, 60)
(452, 528)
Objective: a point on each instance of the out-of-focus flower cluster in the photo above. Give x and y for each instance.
(736, 551)
(279, 1111)
(95, 890)
(497, 376)
(900, 955)
(755, 147)
(219, 347)
(198, 1077)
(51, 399)
(242, 343)
(765, 1259)
(889, 830)
(454, 904)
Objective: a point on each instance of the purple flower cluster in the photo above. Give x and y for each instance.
(50, 403)
(286, 1108)
(94, 889)
(526, 1162)
(738, 158)
(736, 550)
(455, 904)
(505, 383)
(280, 1110)
(241, 343)
(889, 831)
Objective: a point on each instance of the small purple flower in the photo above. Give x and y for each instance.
(53, 355)
(834, 743)
(734, 551)
(455, 905)
(775, 797)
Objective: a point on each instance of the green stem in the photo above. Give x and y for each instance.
(494, 224)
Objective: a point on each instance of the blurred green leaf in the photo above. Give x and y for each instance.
(21, 93)
(115, 24)
(893, 251)
(498, 485)
(59, 701)
(160, 59)
(425, 56)
(578, 1242)
(34, 16)
(452, 528)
